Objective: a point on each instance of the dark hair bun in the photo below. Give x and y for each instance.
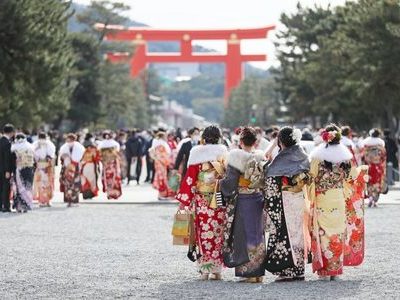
(375, 132)
(346, 130)
(248, 136)
(285, 136)
(336, 139)
(211, 135)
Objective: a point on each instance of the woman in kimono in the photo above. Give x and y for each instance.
(331, 169)
(111, 177)
(160, 151)
(285, 178)
(244, 231)
(71, 154)
(25, 160)
(374, 155)
(347, 141)
(197, 191)
(90, 168)
(43, 180)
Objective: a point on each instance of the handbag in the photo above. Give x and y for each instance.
(181, 228)
(174, 181)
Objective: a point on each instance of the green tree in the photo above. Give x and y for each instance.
(254, 102)
(341, 65)
(105, 94)
(85, 99)
(35, 61)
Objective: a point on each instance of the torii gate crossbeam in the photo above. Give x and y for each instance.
(233, 59)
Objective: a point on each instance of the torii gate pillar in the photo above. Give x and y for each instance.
(233, 59)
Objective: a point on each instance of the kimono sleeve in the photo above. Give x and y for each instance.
(188, 184)
(229, 184)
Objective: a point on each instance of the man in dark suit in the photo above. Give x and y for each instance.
(184, 151)
(7, 163)
(134, 150)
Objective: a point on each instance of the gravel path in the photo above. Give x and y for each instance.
(125, 251)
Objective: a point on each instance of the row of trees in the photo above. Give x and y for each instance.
(339, 65)
(254, 102)
(49, 75)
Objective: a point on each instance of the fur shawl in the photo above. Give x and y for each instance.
(347, 142)
(332, 153)
(77, 151)
(239, 158)
(23, 145)
(373, 141)
(204, 153)
(109, 143)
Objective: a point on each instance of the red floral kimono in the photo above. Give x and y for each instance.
(375, 157)
(162, 161)
(90, 172)
(196, 191)
(111, 176)
(355, 233)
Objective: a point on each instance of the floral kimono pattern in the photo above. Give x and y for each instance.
(209, 222)
(328, 213)
(375, 158)
(43, 181)
(90, 172)
(111, 177)
(161, 164)
(355, 241)
(285, 248)
(70, 181)
(23, 197)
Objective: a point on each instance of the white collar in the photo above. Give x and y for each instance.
(205, 153)
(373, 141)
(332, 153)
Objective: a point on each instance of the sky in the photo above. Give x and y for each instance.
(217, 14)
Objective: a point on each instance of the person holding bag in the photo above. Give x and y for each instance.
(244, 246)
(197, 193)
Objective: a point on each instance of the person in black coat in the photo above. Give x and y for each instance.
(391, 153)
(7, 165)
(134, 150)
(184, 151)
(148, 142)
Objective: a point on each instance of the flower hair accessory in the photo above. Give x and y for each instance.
(329, 136)
(296, 135)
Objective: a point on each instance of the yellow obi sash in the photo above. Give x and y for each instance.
(243, 182)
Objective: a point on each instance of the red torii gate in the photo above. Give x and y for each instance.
(233, 59)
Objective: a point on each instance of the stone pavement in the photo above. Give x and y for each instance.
(124, 252)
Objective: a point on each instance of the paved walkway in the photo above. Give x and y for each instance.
(125, 252)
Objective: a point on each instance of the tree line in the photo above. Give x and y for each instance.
(336, 65)
(51, 76)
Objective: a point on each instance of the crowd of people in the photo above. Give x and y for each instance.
(285, 196)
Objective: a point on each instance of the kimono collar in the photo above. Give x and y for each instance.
(109, 143)
(332, 153)
(347, 142)
(21, 146)
(204, 153)
(373, 141)
(289, 162)
(239, 158)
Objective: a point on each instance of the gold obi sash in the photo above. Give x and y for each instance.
(207, 180)
(43, 164)
(243, 182)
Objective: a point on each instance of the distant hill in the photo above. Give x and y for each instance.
(214, 70)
